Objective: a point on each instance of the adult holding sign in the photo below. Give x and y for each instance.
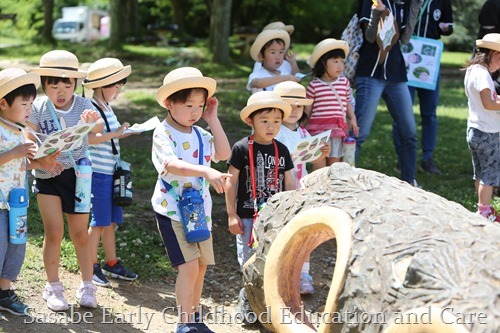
(381, 72)
(435, 20)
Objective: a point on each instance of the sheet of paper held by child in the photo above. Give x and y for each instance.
(309, 149)
(148, 125)
(64, 140)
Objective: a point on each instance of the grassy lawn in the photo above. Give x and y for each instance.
(139, 241)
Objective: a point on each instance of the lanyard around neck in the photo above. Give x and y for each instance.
(252, 171)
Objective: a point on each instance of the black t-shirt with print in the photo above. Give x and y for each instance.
(264, 163)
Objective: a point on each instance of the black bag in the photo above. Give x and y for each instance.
(122, 184)
(122, 177)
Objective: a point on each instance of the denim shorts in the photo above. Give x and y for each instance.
(11, 255)
(485, 151)
(104, 212)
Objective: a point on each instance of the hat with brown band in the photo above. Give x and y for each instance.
(59, 63)
(13, 78)
(106, 71)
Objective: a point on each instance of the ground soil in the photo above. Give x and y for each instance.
(149, 305)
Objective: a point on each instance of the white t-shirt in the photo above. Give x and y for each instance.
(260, 72)
(169, 144)
(290, 139)
(477, 78)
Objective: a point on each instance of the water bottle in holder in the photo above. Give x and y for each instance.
(194, 220)
(83, 188)
(18, 215)
(122, 184)
(349, 150)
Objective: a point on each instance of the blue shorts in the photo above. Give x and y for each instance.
(62, 186)
(104, 212)
(485, 151)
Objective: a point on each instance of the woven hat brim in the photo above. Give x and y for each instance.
(486, 44)
(11, 85)
(57, 72)
(313, 59)
(263, 104)
(185, 83)
(264, 37)
(118, 76)
(299, 101)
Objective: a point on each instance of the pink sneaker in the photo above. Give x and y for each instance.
(54, 295)
(86, 294)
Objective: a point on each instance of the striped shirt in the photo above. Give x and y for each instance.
(326, 107)
(42, 118)
(101, 154)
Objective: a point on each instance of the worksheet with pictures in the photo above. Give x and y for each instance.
(309, 149)
(64, 140)
(422, 58)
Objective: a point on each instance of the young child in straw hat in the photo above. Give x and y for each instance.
(269, 49)
(178, 145)
(483, 124)
(331, 94)
(62, 108)
(289, 65)
(106, 77)
(260, 167)
(17, 92)
(291, 132)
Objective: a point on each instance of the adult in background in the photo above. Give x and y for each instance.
(435, 19)
(381, 72)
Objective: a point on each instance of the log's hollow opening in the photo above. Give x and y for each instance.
(299, 246)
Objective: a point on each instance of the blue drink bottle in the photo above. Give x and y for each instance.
(83, 188)
(18, 215)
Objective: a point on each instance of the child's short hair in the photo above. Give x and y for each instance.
(16, 82)
(320, 67)
(266, 38)
(180, 79)
(122, 82)
(182, 96)
(264, 101)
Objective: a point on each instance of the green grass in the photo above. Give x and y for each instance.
(138, 241)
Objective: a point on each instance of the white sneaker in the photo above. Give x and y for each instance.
(54, 295)
(306, 286)
(86, 294)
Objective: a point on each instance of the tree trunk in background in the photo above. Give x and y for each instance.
(118, 18)
(132, 25)
(178, 15)
(220, 26)
(48, 16)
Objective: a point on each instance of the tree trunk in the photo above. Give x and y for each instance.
(132, 25)
(178, 15)
(404, 257)
(48, 15)
(220, 26)
(118, 20)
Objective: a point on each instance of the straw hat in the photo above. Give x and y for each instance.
(262, 100)
(13, 78)
(60, 63)
(325, 46)
(106, 71)
(264, 37)
(292, 93)
(279, 25)
(184, 78)
(489, 41)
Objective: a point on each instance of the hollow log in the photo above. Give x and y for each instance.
(407, 260)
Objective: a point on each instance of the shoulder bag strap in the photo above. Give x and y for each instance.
(113, 147)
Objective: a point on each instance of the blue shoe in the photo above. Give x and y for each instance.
(306, 286)
(119, 272)
(13, 304)
(98, 278)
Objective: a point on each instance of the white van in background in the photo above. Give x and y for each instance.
(81, 24)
